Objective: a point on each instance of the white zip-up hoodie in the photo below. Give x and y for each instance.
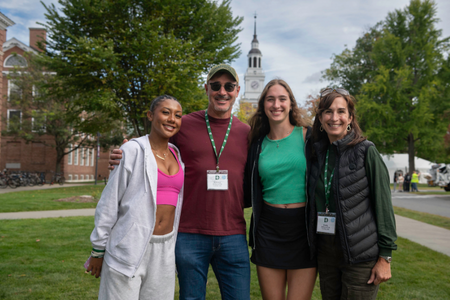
(126, 213)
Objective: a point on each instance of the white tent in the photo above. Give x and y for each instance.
(397, 162)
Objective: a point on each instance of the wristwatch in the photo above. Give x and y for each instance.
(388, 259)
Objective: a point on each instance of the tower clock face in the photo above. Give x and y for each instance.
(254, 85)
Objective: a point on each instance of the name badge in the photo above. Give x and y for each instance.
(326, 223)
(217, 180)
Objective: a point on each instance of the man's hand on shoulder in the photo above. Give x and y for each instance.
(115, 157)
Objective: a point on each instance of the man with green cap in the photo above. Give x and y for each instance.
(213, 145)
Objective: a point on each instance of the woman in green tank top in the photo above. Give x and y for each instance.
(276, 186)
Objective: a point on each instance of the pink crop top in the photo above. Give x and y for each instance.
(169, 186)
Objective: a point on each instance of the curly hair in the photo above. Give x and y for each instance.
(324, 103)
(259, 123)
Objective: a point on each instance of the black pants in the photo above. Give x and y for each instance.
(406, 186)
(339, 280)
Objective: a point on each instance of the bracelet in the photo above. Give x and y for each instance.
(97, 253)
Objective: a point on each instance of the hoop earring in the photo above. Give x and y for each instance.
(321, 129)
(349, 127)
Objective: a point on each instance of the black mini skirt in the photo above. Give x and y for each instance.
(281, 239)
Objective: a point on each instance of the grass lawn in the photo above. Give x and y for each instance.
(43, 259)
(45, 199)
(424, 189)
(423, 217)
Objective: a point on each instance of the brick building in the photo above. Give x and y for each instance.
(16, 154)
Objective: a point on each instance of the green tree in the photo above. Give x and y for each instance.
(311, 104)
(135, 50)
(243, 111)
(51, 108)
(402, 99)
(352, 68)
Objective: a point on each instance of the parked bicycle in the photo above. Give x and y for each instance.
(3, 178)
(58, 178)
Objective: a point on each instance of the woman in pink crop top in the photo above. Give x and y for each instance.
(136, 219)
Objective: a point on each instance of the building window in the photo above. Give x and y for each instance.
(82, 158)
(75, 158)
(69, 156)
(14, 119)
(38, 122)
(36, 95)
(70, 177)
(259, 62)
(87, 157)
(14, 91)
(92, 157)
(92, 177)
(254, 62)
(15, 60)
(81, 177)
(76, 177)
(249, 62)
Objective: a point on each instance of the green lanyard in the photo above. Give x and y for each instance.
(327, 184)
(212, 138)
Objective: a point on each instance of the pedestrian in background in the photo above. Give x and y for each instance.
(395, 181)
(414, 181)
(407, 182)
(400, 181)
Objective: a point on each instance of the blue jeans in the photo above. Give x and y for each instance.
(228, 256)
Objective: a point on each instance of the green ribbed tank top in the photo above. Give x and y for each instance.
(282, 169)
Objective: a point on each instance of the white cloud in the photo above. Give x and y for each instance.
(314, 78)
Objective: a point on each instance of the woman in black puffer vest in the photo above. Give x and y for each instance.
(351, 219)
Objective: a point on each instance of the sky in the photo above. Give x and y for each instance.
(297, 38)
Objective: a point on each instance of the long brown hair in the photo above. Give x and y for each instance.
(324, 103)
(259, 123)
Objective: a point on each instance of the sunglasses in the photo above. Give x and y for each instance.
(216, 86)
(327, 91)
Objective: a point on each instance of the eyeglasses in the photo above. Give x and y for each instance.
(328, 90)
(229, 87)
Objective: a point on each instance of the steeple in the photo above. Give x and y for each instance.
(255, 40)
(254, 77)
(255, 43)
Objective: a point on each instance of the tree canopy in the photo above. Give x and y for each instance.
(130, 51)
(51, 108)
(397, 72)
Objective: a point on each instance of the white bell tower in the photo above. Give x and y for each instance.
(254, 77)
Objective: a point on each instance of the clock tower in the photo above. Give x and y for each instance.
(254, 77)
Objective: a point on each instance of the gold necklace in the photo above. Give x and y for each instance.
(158, 156)
(280, 140)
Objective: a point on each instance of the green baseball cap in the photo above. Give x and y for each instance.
(222, 67)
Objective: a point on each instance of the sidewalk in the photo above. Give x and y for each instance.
(433, 237)
(48, 214)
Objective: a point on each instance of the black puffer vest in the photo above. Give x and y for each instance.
(355, 218)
